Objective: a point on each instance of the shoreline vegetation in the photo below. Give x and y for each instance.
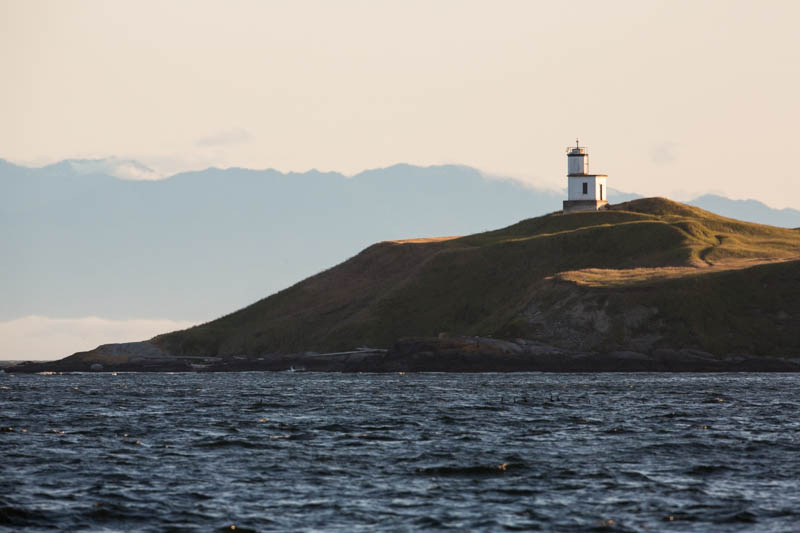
(646, 285)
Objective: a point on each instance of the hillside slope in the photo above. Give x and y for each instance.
(643, 275)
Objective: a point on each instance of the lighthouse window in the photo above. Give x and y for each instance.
(585, 187)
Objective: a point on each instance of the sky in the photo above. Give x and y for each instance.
(673, 98)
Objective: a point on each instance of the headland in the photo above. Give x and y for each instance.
(651, 285)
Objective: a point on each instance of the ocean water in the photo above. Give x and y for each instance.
(366, 452)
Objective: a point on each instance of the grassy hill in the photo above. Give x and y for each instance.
(642, 275)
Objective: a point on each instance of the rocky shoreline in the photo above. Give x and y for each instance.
(460, 354)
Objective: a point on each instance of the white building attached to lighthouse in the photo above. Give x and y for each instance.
(587, 192)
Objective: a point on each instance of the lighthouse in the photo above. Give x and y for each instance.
(586, 192)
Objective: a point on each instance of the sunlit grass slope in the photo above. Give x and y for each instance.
(549, 277)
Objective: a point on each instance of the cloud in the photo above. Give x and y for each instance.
(41, 338)
(664, 154)
(112, 166)
(223, 138)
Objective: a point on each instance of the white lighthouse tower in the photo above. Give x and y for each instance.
(587, 192)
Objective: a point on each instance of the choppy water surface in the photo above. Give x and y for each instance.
(280, 451)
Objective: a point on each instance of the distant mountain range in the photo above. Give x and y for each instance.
(106, 238)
